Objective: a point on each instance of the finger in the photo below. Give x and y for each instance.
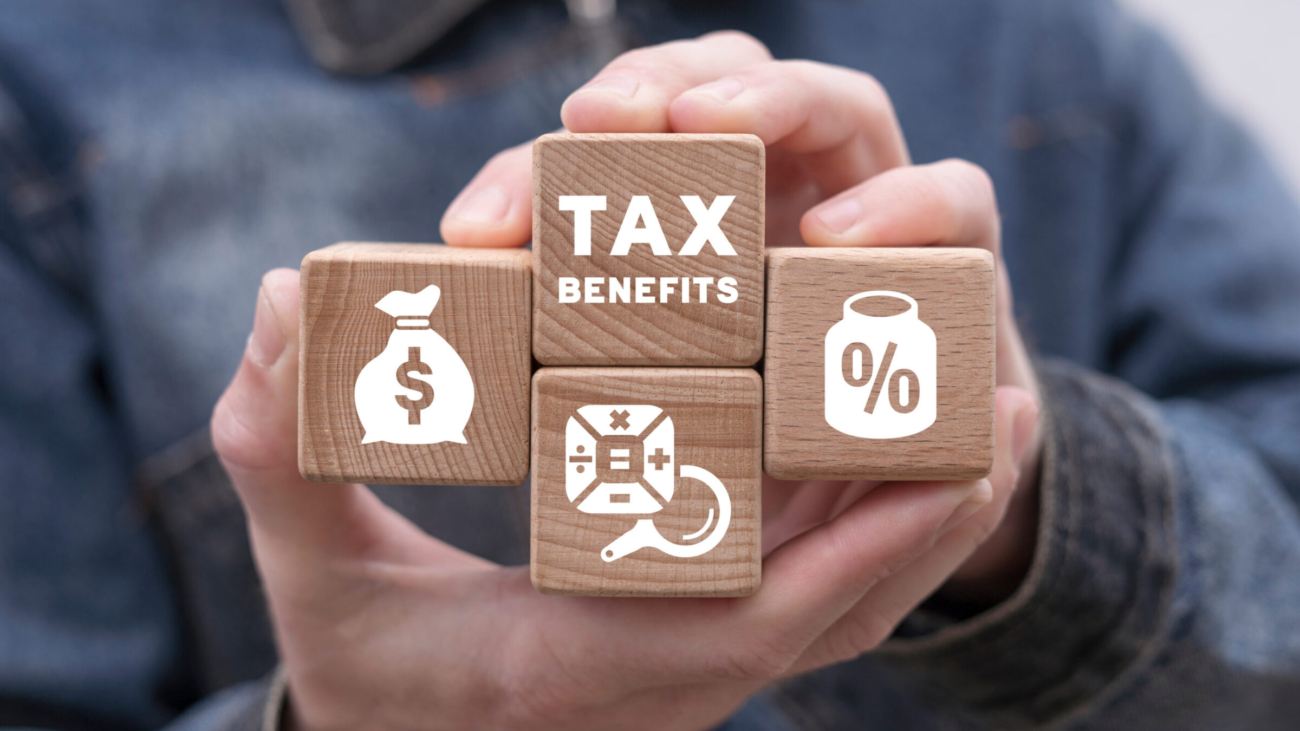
(794, 508)
(633, 92)
(254, 430)
(949, 203)
(841, 120)
(1014, 366)
(496, 208)
(885, 605)
(808, 583)
(815, 578)
(791, 508)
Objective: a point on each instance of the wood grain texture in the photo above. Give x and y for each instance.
(807, 290)
(484, 313)
(716, 415)
(663, 167)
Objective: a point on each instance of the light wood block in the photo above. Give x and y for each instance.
(931, 417)
(608, 286)
(624, 458)
(462, 416)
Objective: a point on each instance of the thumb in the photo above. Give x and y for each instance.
(255, 432)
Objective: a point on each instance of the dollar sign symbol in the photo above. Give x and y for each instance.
(413, 363)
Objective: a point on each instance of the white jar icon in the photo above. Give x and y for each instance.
(880, 371)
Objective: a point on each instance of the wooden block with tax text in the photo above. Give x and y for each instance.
(649, 249)
(879, 363)
(646, 481)
(414, 365)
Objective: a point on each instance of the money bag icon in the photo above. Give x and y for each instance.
(418, 391)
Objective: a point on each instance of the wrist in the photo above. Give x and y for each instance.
(999, 566)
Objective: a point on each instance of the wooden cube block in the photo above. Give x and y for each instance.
(414, 365)
(879, 364)
(649, 249)
(646, 481)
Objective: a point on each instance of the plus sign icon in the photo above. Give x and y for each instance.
(659, 459)
(621, 460)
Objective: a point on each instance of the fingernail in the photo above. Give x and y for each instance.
(267, 340)
(840, 216)
(980, 496)
(624, 86)
(724, 90)
(486, 205)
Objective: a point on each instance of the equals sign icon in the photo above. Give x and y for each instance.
(623, 457)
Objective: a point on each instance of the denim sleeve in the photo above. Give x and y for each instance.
(1164, 592)
(89, 632)
(252, 706)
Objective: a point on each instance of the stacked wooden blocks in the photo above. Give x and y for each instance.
(643, 300)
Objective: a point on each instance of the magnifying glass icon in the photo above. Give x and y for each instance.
(645, 535)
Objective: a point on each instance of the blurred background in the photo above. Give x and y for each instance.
(1247, 54)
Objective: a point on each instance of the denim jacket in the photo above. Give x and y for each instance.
(157, 156)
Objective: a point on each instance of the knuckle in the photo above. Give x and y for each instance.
(944, 195)
(651, 67)
(859, 85)
(801, 72)
(631, 60)
(859, 632)
(867, 88)
(249, 442)
(762, 658)
(648, 72)
(233, 441)
(225, 440)
(506, 159)
(648, 64)
(984, 524)
(758, 665)
(973, 179)
(845, 545)
(739, 42)
(870, 87)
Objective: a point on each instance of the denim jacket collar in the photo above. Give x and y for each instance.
(374, 36)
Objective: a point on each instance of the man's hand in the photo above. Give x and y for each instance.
(382, 626)
(838, 174)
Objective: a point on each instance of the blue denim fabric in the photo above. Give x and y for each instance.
(759, 714)
(157, 156)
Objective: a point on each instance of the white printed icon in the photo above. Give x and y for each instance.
(418, 390)
(880, 372)
(622, 460)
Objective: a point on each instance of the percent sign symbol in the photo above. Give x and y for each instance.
(859, 373)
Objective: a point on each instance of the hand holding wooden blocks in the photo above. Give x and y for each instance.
(648, 254)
